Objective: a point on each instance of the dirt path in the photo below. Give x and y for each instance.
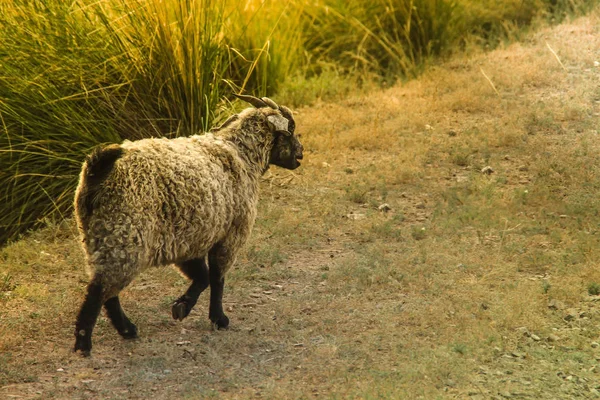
(476, 283)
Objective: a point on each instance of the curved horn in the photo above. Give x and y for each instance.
(255, 101)
(270, 103)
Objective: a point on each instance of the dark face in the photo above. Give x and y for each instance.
(286, 152)
(287, 149)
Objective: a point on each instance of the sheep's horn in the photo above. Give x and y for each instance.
(270, 103)
(255, 101)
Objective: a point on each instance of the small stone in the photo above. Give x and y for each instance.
(451, 133)
(356, 217)
(595, 345)
(535, 337)
(596, 63)
(553, 338)
(325, 164)
(420, 206)
(523, 168)
(428, 127)
(556, 304)
(462, 178)
(60, 370)
(487, 170)
(385, 207)
(571, 314)
(517, 354)
(523, 330)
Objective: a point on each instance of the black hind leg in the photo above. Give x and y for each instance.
(86, 319)
(118, 318)
(197, 271)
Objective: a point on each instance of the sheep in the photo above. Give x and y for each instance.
(188, 201)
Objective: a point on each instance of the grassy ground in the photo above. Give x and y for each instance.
(473, 285)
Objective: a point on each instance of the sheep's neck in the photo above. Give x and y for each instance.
(253, 147)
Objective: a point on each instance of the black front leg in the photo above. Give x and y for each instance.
(197, 271)
(217, 282)
(118, 318)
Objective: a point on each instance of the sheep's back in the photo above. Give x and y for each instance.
(168, 200)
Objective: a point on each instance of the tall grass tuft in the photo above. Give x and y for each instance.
(51, 84)
(380, 38)
(79, 73)
(393, 39)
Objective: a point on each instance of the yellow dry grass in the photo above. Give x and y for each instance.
(473, 285)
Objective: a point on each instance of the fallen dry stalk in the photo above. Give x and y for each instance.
(490, 81)
(556, 56)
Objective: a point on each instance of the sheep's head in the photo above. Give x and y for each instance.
(287, 149)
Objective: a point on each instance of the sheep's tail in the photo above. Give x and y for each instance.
(95, 170)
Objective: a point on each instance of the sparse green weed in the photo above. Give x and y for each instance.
(594, 289)
(546, 286)
(418, 232)
(265, 255)
(459, 348)
(357, 193)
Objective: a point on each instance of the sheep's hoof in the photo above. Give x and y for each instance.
(130, 332)
(221, 322)
(83, 344)
(180, 309)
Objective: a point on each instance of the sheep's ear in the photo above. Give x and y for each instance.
(279, 123)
